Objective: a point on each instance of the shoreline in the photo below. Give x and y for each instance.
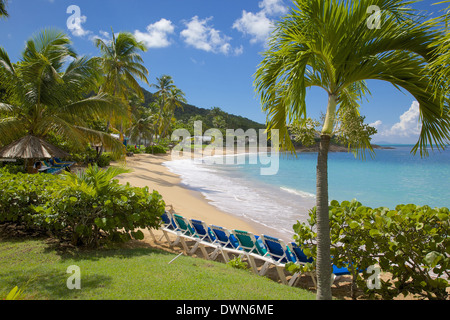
(148, 170)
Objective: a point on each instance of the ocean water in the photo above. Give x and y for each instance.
(276, 202)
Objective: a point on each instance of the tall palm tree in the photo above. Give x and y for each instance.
(3, 12)
(163, 85)
(122, 66)
(175, 99)
(45, 97)
(329, 44)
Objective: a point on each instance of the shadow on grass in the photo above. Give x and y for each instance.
(133, 248)
(51, 284)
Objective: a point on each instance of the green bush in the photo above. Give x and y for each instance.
(134, 149)
(104, 160)
(155, 149)
(407, 242)
(92, 205)
(21, 192)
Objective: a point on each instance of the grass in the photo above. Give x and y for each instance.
(129, 274)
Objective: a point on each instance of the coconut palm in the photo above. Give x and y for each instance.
(163, 85)
(122, 66)
(142, 127)
(333, 44)
(45, 97)
(175, 99)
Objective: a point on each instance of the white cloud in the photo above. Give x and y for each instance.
(409, 123)
(273, 7)
(75, 21)
(259, 25)
(157, 34)
(202, 36)
(407, 129)
(376, 124)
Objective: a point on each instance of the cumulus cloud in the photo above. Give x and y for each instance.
(377, 124)
(409, 123)
(406, 129)
(75, 21)
(157, 34)
(200, 35)
(259, 25)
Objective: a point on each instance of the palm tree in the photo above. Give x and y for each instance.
(142, 127)
(163, 85)
(328, 44)
(44, 98)
(3, 12)
(175, 98)
(441, 65)
(122, 64)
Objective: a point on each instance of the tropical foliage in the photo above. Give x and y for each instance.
(87, 208)
(3, 12)
(410, 243)
(44, 97)
(329, 44)
(122, 64)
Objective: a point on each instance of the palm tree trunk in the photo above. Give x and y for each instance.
(323, 219)
(323, 223)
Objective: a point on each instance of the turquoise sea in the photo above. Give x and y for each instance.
(276, 202)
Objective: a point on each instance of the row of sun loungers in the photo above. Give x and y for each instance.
(268, 250)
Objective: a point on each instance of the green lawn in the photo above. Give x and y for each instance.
(121, 273)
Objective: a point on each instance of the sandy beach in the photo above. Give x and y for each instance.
(149, 171)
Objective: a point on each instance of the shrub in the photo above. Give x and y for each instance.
(134, 149)
(155, 149)
(104, 160)
(237, 263)
(407, 242)
(88, 206)
(21, 192)
(92, 205)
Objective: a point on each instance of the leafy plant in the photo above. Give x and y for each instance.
(14, 294)
(238, 263)
(156, 149)
(411, 243)
(92, 204)
(88, 206)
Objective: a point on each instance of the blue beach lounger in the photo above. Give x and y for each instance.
(186, 232)
(168, 226)
(302, 259)
(279, 253)
(255, 248)
(228, 242)
(208, 239)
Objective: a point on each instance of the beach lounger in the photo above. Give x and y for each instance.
(168, 226)
(63, 165)
(302, 259)
(207, 238)
(48, 168)
(60, 162)
(255, 248)
(228, 242)
(279, 253)
(187, 232)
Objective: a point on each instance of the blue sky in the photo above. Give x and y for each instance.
(211, 48)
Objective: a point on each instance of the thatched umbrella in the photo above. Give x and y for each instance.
(30, 148)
